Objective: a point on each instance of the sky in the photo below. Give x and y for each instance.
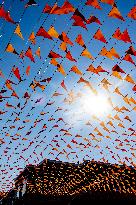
(71, 113)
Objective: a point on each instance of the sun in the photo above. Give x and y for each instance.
(95, 104)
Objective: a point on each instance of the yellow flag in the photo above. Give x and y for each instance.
(53, 33)
(18, 32)
(117, 75)
(87, 54)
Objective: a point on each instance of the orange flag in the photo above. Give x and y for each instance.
(93, 3)
(11, 49)
(18, 31)
(29, 54)
(80, 41)
(61, 69)
(52, 32)
(64, 37)
(99, 36)
(132, 13)
(1, 74)
(87, 54)
(105, 52)
(117, 75)
(14, 94)
(129, 79)
(115, 13)
(76, 70)
(38, 52)
(63, 46)
(114, 53)
(32, 38)
(28, 70)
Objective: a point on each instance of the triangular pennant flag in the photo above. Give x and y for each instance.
(117, 34)
(29, 54)
(38, 52)
(117, 75)
(5, 15)
(18, 31)
(115, 13)
(52, 32)
(79, 19)
(52, 54)
(118, 69)
(87, 54)
(93, 19)
(43, 33)
(28, 70)
(61, 70)
(76, 70)
(131, 51)
(32, 38)
(63, 46)
(106, 53)
(111, 2)
(114, 53)
(125, 37)
(80, 40)
(93, 3)
(11, 49)
(127, 57)
(66, 8)
(99, 36)
(63, 85)
(69, 56)
(129, 79)
(134, 88)
(117, 91)
(16, 73)
(132, 13)
(64, 37)
(14, 94)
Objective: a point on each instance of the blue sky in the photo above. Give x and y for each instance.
(75, 118)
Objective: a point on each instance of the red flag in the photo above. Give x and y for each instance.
(16, 73)
(42, 32)
(5, 15)
(69, 56)
(63, 85)
(29, 54)
(52, 54)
